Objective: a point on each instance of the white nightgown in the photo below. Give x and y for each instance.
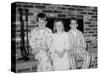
(59, 44)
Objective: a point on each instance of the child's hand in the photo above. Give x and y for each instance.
(60, 54)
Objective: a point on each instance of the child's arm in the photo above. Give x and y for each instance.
(72, 48)
(82, 41)
(33, 42)
(49, 38)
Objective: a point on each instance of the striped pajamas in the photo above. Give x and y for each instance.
(78, 48)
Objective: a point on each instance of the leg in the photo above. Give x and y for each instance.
(86, 62)
(72, 62)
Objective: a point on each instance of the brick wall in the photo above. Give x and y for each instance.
(87, 13)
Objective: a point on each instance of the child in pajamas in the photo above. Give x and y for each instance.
(40, 40)
(78, 47)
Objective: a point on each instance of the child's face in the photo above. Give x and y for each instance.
(41, 22)
(59, 26)
(73, 24)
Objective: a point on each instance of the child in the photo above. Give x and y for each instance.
(60, 46)
(78, 44)
(40, 43)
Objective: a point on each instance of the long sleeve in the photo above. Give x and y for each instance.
(49, 38)
(48, 41)
(71, 43)
(52, 48)
(82, 41)
(32, 40)
(80, 44)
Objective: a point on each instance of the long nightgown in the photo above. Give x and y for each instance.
(60, 43)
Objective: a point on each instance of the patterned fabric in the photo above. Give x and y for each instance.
(77, 41)
(78, 48)
(40, 41)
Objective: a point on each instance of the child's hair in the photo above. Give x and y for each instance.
(57, 20)
(73, 19)
(41, 15)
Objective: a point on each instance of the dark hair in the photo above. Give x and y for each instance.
(73, 19)
(41, 15)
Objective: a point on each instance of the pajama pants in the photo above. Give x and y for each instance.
(86, 60)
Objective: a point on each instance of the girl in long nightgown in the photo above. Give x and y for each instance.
(60, 47)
